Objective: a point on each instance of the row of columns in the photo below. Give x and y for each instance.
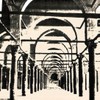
(37, 76)
(71, 79)
(38, 79)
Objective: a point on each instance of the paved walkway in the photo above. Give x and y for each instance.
(53, 92)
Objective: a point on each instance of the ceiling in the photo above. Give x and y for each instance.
(84, 5)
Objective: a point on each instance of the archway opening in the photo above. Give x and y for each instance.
(54, 77)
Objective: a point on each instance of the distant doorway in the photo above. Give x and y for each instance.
(54, 77)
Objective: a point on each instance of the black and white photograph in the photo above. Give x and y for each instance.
(49, 49)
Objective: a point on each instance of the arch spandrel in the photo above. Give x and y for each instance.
(36, 28)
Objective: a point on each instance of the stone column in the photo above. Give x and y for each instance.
(41, 86)
(70, 78)
(31, 77)
(91, 46)
(80, 76)
(45, 81)
(74, 78)
(12, 81)
(0, 76)
(85, 81)
(24, 74)
(38, 79)
(97, 81)
(35, 76)
(67, 80)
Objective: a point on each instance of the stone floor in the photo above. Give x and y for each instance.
(53, 92)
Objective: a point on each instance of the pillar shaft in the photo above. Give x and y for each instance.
(74, 78)
(31, 77)
(35, 76)
(65, 85)
(0, 76)
(70, 79)
(24, 74)
(38, 80)
(97, 82)
(67, 80)
(80, 76)
(13, 60)
(85, 81)
(41, 80)
(91, 71)
(45, 81)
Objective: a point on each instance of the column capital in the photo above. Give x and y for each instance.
(80, 56)
(0, 66)
(31, 62)
(24, 56)
(14, 48)
(91, 43)
(74, 63)
(67, 71)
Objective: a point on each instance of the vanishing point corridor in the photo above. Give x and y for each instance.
(49, 49)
